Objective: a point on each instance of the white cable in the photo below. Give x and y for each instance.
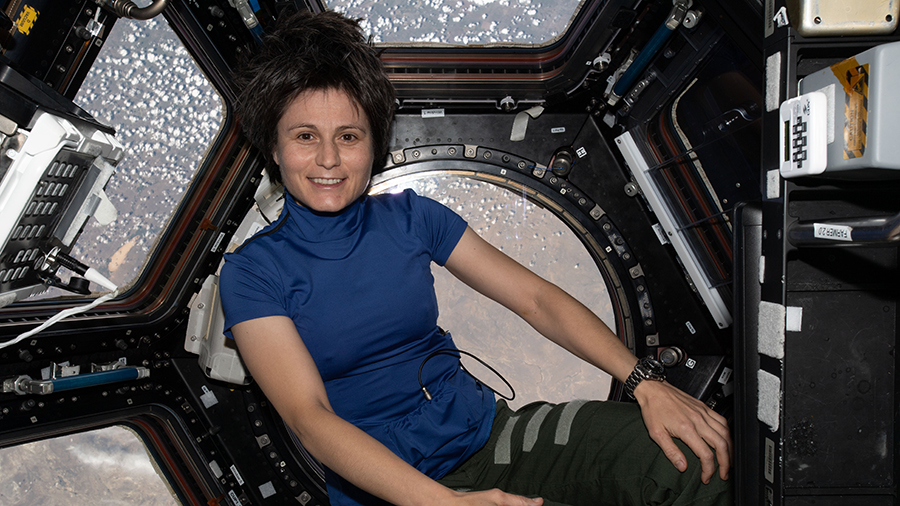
(60, 315)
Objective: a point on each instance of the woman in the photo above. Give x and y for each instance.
(334, 313)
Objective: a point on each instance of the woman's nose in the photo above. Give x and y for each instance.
(328, 155)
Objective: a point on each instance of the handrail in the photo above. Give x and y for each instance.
(868, 231)
(128, 9)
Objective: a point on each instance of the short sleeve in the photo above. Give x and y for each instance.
(441, 228)
(248, 292)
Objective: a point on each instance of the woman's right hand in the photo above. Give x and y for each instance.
(495, 497)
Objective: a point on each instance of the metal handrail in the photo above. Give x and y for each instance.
(128, 9)
(868, 231)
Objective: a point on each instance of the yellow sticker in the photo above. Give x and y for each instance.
(26, 19)
(855, 80)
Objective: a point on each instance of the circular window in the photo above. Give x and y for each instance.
(537, 368)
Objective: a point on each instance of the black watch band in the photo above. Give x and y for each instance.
(646, 368)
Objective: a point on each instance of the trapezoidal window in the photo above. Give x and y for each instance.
(528, 23)
(145, 85)
(104, 466)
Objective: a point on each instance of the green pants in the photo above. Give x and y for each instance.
(583, 453)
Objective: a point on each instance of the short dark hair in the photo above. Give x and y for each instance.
(312, 52)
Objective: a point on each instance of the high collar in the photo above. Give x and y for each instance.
(317, 227)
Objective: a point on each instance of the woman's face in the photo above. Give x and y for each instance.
(324, 150)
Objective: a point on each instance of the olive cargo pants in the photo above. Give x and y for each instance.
(583, 453)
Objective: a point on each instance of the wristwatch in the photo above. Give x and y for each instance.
(646, 368)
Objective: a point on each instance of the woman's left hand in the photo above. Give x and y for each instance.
(668, 413)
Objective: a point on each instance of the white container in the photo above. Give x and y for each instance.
(863, 113)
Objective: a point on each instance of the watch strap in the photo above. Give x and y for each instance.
(646, 368)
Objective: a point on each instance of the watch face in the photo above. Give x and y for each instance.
(654, 367)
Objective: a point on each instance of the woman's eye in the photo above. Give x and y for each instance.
(305, 136)
(348, 137)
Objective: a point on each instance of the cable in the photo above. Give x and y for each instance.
(57, 257)
(456, 353)
(59, 316)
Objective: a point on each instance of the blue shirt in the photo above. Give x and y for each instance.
(359, 289)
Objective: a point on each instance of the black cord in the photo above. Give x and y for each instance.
(457, 353)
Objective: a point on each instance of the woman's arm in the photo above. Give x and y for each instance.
(667, 411)
(282, 366)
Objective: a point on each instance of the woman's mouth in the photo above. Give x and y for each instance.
(325, 181)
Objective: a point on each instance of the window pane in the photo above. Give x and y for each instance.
(537, 368)
(106, 466)
(165, 112)
(460, 22)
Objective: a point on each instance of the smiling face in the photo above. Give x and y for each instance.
(324, 150)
